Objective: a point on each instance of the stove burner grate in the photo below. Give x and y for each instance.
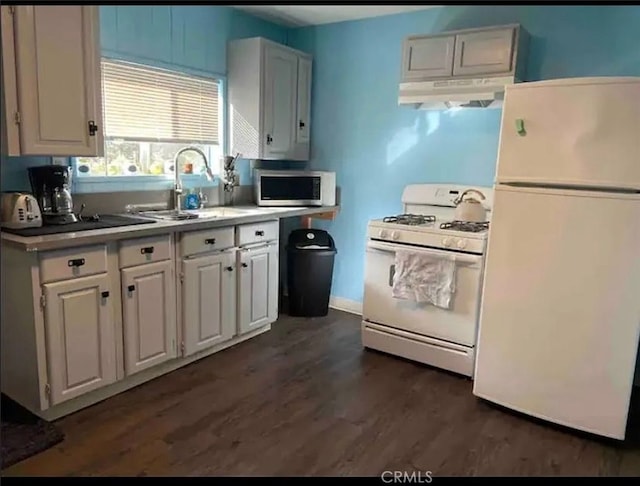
(465, 226)
(410, 219)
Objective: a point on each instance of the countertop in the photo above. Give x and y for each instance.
(66, 240)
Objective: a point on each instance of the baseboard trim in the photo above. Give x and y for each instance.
(346, 305)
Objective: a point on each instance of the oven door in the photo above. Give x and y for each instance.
(457, 324)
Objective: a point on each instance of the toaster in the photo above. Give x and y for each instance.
(19, 210)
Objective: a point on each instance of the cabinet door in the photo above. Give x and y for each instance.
(58, 78)
(484, 52)
(303, 122)
(209, 301)
(427, 57)
(279, 102)
(258, 287)
(80, 336)
(149, 312)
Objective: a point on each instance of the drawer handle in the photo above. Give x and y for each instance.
(259, 233)
(210, 241)
(105, 294)
(147, 250)
(78, 262)
(244, 265)
(131, 288)
(229, 269)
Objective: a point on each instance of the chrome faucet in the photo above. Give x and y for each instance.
(177, 186)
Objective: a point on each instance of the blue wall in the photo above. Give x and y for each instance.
(13, 172)
(191, 39)
(377, 147)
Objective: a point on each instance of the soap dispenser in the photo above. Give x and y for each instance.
(192, 201)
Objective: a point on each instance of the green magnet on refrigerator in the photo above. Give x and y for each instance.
(520, 127)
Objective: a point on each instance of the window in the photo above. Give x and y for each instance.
(150, 114)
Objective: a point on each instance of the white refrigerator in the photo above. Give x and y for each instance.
(560, 316)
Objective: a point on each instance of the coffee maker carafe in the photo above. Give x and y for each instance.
(50, 185)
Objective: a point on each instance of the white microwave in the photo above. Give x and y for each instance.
(294, 188)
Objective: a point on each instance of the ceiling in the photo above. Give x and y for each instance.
(304, 15)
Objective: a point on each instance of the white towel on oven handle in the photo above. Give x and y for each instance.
(424, 278)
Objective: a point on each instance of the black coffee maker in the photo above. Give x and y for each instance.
(51, 187)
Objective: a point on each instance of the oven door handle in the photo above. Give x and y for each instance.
(457, 257)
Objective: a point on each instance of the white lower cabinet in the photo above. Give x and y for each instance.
(208, 301)
(149, 315)
(86, 314)
(80, 336)
(257, 287)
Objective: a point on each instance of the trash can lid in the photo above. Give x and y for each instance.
(312, 247)
(311, 239)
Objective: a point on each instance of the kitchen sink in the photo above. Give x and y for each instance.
(215, 212)
(169, 214)
(222, 212)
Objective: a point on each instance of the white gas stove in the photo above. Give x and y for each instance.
(446, 233)
(440, 337)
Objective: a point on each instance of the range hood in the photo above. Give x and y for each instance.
(442, 94)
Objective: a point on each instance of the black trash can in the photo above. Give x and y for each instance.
(310, 255)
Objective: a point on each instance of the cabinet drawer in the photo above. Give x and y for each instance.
(257, 232)
(145, 250)
(203, 241)
(72, 263)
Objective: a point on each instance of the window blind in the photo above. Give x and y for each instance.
(148, 104)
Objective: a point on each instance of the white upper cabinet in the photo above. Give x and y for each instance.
(149, 315)
(80, 336)
(427, 57)
(269, 88)
(303, 129)
(280, 86)
(51, 79)
(484, 52)
(490, 51)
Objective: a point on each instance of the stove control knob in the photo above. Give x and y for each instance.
(462, 244)
(395, 235)
(446, 242)
(382, 233)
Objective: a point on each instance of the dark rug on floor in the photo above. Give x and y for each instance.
(23, 434)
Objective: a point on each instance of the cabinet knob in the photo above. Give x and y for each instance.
(77, 262)
(210, 241)
(131, 288)
(259, 233)
(148, 250)
(105, 294)
(229, 269)
(269, 139)
(301, 124)
(244, 265)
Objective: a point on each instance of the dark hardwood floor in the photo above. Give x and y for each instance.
(306, 399)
